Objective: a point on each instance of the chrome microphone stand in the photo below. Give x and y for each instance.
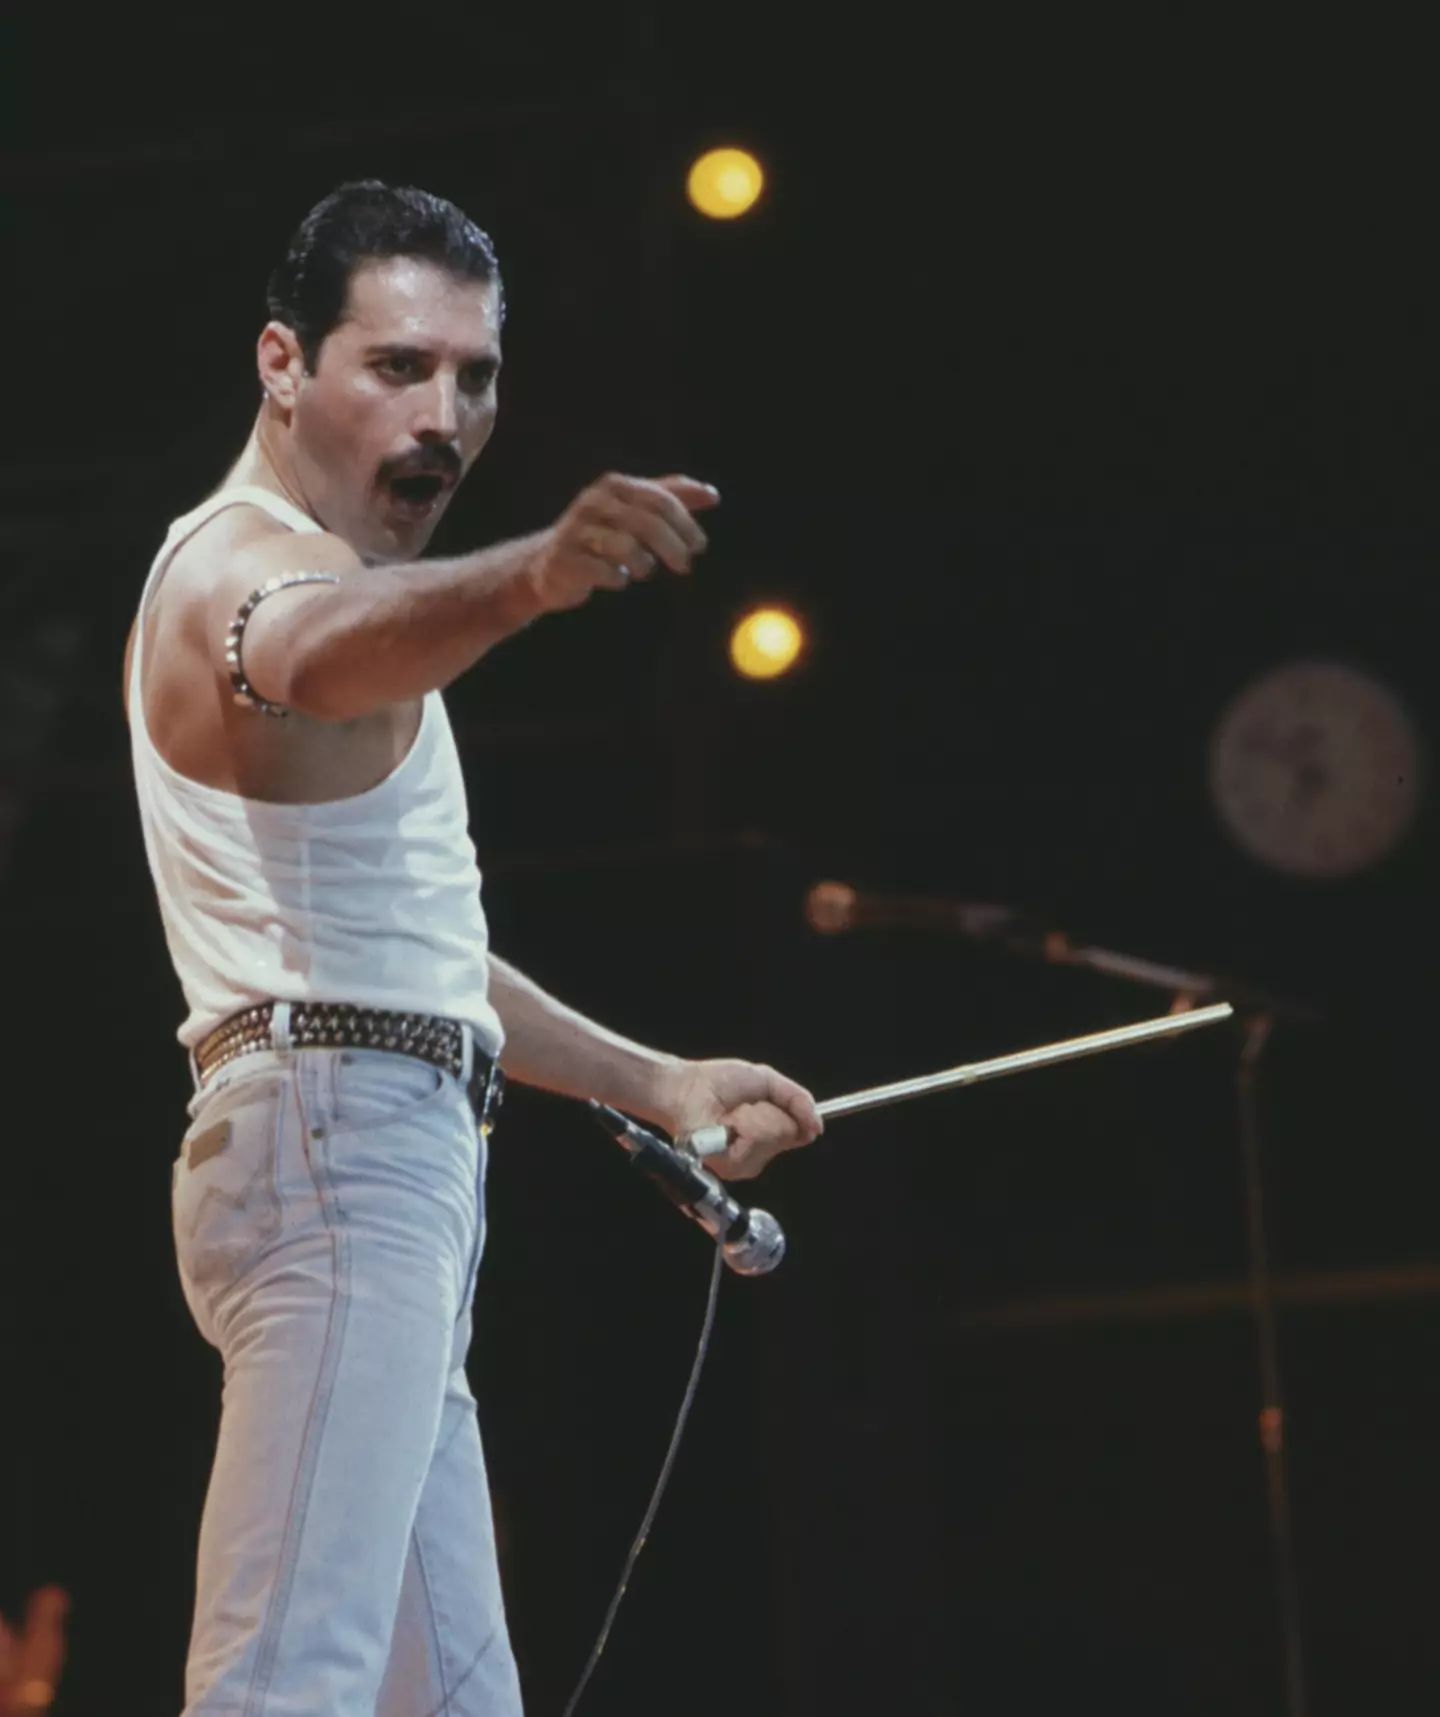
(834, 906)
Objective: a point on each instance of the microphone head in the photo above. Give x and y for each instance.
(759, 1249)
(830, 907)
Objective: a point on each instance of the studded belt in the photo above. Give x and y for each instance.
(342, 1025)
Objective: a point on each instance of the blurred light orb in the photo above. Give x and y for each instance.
(765, 643)
(724, 183)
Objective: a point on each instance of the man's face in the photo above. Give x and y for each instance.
(400, 406)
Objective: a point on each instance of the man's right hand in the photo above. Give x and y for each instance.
(619, 529)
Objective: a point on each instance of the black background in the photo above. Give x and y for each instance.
(1072, 371)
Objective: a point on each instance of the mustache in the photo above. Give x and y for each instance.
(439, 460)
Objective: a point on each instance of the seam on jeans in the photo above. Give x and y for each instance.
(472, 1271)
(448, 1692)
(317, 1418)
(443, 1707)
(472, 1666)
(444, 1448)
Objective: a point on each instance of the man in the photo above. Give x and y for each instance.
(306, 825)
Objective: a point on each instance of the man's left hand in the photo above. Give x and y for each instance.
(763, 1112)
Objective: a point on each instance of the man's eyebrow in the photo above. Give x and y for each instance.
(409, 348)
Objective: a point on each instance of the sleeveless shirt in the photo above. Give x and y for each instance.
(372, 899)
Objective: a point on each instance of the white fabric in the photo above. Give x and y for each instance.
(373, 899)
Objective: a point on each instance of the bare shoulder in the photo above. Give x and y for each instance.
(189, 711)
(239, 549)
(216, 554)
(213, 572)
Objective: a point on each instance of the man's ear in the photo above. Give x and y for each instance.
(281, 364)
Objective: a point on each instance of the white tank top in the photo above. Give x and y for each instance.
(373, 899)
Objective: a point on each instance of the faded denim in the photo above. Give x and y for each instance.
(329, 1221)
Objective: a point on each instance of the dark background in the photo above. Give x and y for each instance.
(1071, 372)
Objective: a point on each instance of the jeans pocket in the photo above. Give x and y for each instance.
(227, 1205)
(377, 1088)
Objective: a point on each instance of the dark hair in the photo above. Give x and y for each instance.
(362, 222)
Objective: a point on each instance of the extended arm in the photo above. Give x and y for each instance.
(384, 635)
(552, 1046)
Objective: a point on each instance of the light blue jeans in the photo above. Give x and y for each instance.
(329, 1219)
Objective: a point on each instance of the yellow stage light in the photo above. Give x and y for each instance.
(765, 643)
(725, 183)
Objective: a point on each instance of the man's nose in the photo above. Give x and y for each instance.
(439, 418)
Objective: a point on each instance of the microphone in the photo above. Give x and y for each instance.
(752, 1241)
(831, 907)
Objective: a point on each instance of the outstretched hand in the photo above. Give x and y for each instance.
(764, 1113)
(618, 529)
(31, 1660)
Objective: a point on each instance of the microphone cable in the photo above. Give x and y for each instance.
(654, 1504)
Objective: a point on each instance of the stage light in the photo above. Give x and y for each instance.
(725, 183)
(765, 643)
(830, 907)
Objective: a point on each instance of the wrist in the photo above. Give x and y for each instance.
(659, 1090)
(518, 592)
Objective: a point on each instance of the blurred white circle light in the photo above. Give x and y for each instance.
(725, 183)
(1315, 769)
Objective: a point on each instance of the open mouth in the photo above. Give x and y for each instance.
(418, 493)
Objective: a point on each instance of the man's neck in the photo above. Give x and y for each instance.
(260, 467)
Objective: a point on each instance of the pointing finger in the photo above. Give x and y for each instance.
(691, 493)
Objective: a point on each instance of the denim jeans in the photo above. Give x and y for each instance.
(329, 1219)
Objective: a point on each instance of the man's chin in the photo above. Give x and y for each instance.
(392, 539)
(405, 527)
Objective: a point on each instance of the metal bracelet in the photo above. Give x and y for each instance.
(244, 693)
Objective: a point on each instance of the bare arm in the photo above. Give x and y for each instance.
(382, 634)
(388, 634)
(550, 1045)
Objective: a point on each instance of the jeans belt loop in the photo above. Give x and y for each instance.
(467, 1055)
(280, 1040)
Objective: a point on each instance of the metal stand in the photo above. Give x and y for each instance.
(1259, 1018)
(834, 906)
(1267, 1342)
(710, 1141)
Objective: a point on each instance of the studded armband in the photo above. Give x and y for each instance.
(243, 692)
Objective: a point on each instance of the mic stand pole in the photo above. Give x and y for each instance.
(1056, 947)
(1267, 1341)
(1259, 1011)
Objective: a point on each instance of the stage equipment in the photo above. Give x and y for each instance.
(653, 1506)
(709, 1141)
(725, 183)
(751, 1240)
(752, 1243)
(1315, 769)
(835, 906)
(766, 643)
